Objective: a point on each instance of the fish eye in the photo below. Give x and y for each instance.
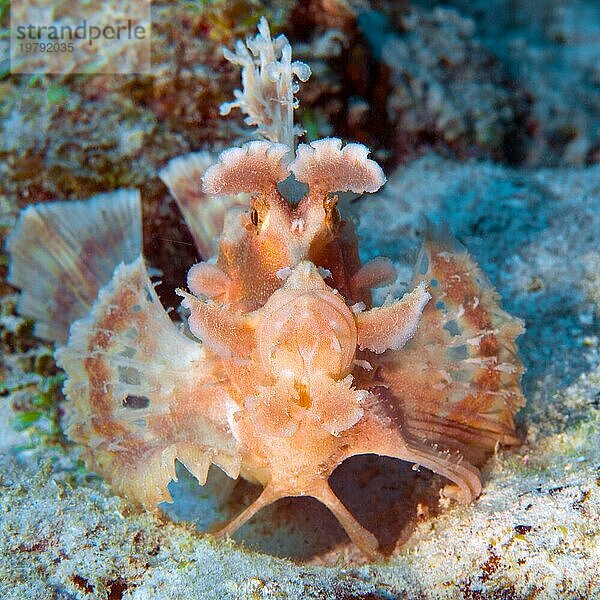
(332, 214)
(259, 212)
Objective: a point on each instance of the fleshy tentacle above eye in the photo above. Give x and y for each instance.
(254, 167)
(141, 394)
(327, 167)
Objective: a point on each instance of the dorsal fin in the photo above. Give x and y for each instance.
(62, 253)
(204, 213)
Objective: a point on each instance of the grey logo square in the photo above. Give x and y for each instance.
(71, 36)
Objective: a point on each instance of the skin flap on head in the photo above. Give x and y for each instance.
(327, 167)
(389, 327)
(255, 167)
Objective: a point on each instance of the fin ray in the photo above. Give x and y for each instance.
(204, 213)
(62, 253)
(135, 403)
(460, 372)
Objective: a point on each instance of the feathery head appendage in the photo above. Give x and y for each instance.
(269, 82)
(255, 167)
(62, 253)
(136, 404)
(327, 167)
(274, 234)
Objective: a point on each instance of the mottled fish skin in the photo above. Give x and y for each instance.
(458, 379)
(260, 244)
(287, 369)
(291, 365)
(142, 394)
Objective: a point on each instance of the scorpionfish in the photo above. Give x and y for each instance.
(284, 368)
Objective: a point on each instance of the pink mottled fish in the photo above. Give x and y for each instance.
(288, 370)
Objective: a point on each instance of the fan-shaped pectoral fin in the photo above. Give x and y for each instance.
(256, 166)
(459, 376)
(460, 472)
(84, 241)
(135, 403)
